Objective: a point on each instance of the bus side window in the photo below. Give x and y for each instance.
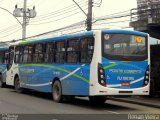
(17, 50)
(11, 57)
(1, 57)
(30, 54)
(38, 55)
(87, 47)
(73, 51)
(60, 52)
(21, 51)
(25, 54)
(6, 57)
(49, 53)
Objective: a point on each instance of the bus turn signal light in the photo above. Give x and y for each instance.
(146, 78)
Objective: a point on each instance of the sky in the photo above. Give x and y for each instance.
(54, 14)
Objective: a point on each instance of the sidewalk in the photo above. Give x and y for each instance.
(152, 102)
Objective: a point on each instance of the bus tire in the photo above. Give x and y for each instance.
(57, 92)
(97, 99)
(2, 84)
(17, 85)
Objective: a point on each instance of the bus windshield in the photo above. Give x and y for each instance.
(124, 47)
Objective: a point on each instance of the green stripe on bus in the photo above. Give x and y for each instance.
(54, 67)
(115, 64)
(111, 65)
(28, 41)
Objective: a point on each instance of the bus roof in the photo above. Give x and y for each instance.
(42, 39)
(70, 36)
(126, 32)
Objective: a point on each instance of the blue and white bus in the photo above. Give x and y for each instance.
(3, 65)
(94, 64)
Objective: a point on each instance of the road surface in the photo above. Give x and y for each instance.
(41, 103)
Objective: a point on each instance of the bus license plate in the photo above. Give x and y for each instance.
(125, 83)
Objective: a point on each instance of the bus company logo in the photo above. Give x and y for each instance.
(122, 71)
(27, 70)
(81, 73)
(108, 77)
(125, 78)
(56, 73)
(106, 36)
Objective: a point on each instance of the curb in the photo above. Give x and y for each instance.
(135, 102)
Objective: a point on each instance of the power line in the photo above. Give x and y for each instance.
(50, 32)
(54, 15)
(56, 19)
(99, 19)
(53, 31)
(79, 7)
(8, 29)
(106, 18)
(111, 17)
(11, 14)
(117, 13)
(97, 4)
(14, 27)
(61, 10)
(39, 2)
(11, 33)
(113, 22)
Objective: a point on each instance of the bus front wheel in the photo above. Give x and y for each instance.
(57, 92)
(2, 84)
(17, 85)
(97, 99)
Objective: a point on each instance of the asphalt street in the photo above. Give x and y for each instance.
(39, 103)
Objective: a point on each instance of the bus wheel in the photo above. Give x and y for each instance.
(2, 84)
(97, 99)
(17, 85)
(57, 92)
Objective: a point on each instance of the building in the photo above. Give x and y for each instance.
(146, 17)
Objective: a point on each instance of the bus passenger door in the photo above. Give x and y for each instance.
(10, 75)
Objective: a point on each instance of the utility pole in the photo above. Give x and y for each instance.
(26, 13)
(24, 20)
(89, 15)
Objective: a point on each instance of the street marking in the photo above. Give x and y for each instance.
(112, 112)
